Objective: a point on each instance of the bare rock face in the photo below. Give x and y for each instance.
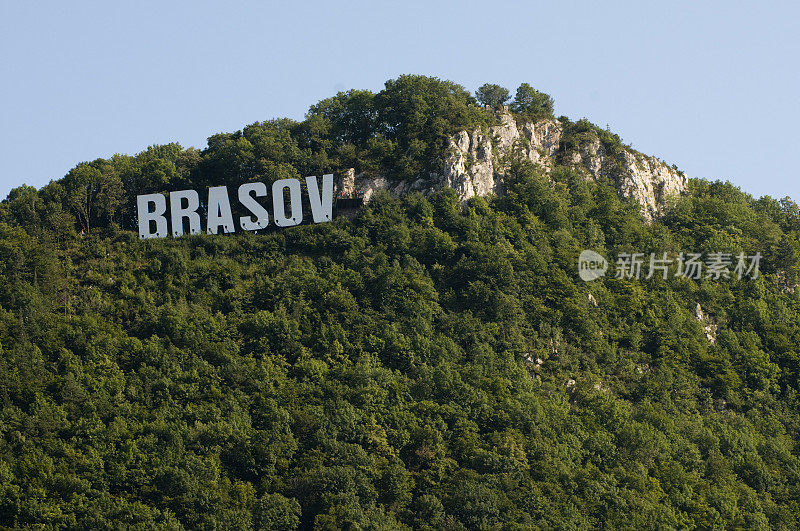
(708, 323)
(347, 185)
(475, 165)
(470, 169)
(590, 156)
(367, 186)
(650, 181)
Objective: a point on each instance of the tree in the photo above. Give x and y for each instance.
(492, 95)
(274, 511)
(419, 114)
(531, 102)
(94, 192)
(350, 115)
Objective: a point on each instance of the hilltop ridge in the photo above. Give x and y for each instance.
(417, 134)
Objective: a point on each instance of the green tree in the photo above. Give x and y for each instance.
(274, 511)
(492, 95)
(531, 102)
(94, 192)
(419, 113)
(351, 116)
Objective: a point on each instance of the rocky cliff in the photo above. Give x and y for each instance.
(475, 165)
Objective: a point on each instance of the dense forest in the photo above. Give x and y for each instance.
(424, 363)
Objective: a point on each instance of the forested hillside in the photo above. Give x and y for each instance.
(424, 363)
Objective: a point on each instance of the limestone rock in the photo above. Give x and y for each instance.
(475, 165)
(650, 181)
(347, 185)
(708, 323)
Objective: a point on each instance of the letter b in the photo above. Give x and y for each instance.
(143, 203)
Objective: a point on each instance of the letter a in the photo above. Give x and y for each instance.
(219, 210)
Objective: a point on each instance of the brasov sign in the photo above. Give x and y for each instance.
(184, 205)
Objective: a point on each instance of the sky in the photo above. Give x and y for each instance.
(709, 86)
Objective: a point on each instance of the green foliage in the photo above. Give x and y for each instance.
(401, 131)
(530, 102)
(351, 116)
(406, 368)
(492, 95)
(577, 134)
(419, 114)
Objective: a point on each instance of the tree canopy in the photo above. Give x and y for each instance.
(530, 102)
(492, 95)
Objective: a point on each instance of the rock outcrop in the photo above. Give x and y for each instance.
(708, 323)
(475, 165)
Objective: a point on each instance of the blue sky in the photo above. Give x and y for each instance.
(709, 86)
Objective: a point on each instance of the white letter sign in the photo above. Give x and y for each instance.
(185, 205)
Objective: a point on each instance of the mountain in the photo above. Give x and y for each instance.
(431, 359)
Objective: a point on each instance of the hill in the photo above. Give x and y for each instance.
(432, 361)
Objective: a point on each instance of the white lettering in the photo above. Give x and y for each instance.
(321, 207)
(185, 204)
(246, 192)
(143, 203)
(295, 203)
(179, 212)
(219, 210)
